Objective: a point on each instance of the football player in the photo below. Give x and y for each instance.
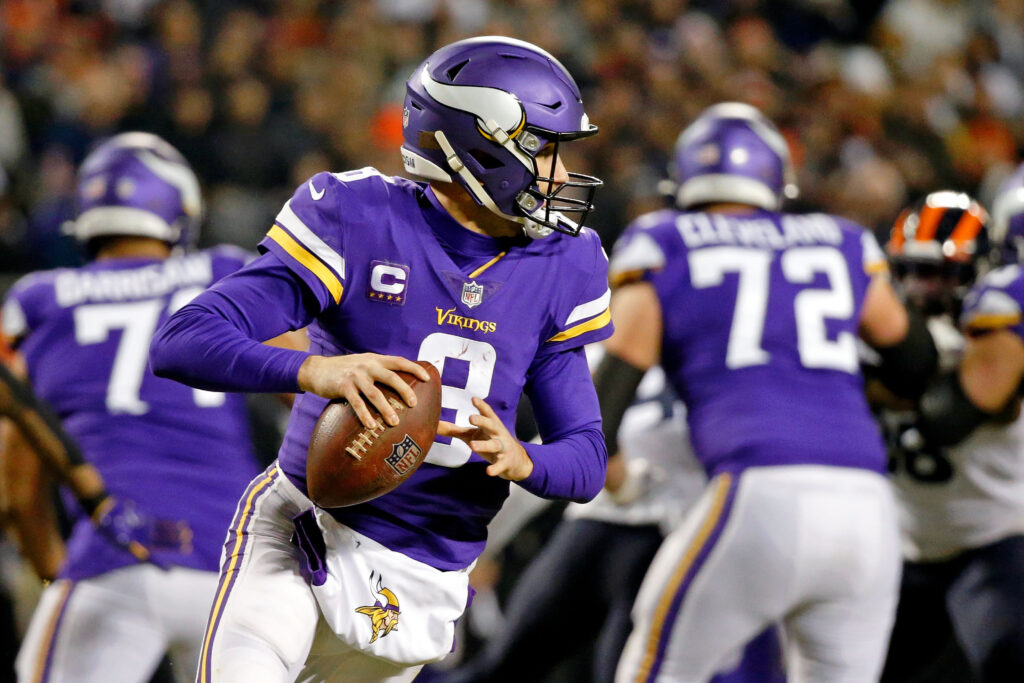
(482, 267)
(136, 576)
(958, 460)
(595, 560)
(754, 315)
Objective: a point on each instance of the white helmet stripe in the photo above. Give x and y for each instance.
(486, 104)
(177, 175)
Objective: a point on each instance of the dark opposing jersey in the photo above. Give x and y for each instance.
(761, 312)
(369, 249)
(182, 454)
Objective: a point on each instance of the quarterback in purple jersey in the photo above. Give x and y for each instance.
(481, 267)
(173, 459)
(754, 315)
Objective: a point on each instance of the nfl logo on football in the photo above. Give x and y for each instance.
(403, 455)
(472, 294)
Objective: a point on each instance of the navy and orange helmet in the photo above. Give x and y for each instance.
(937, 247)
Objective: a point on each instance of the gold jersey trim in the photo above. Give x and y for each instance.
(307, 259)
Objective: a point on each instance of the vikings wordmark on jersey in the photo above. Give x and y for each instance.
(478, 320)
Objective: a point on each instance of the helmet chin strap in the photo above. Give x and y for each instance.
(531, 228)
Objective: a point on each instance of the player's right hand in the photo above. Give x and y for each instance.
(634, 478)
(352, 378)
(121, 521)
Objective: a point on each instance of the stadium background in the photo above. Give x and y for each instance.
(881, 101)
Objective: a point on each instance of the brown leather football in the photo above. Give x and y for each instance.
(348, 463)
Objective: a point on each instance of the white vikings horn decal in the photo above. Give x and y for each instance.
(485, 103)
(177, 175)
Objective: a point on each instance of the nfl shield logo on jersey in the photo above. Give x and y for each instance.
(472, 294)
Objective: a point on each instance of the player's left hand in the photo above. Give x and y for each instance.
(121, 521)
(490, 439)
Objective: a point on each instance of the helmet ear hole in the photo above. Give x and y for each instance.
(485, 160)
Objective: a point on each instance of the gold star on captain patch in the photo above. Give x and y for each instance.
(390, 297)
(398, 298)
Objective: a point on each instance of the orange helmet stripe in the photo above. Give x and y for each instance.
(967, 228)
(897, 237)
(929, 223)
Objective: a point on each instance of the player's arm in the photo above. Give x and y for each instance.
(29, 504)
(633, 348)
(992, 369)
(907, 352)
(215, 342)
(297, 340)
(984, 388)
(570, 462)
(985, 385)
(39, 442)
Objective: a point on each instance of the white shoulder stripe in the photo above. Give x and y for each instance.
(308, 239)
(591, 308)
(640, 253)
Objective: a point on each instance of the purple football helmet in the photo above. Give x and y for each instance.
(732, 153)
(1007, 227)
(137, 184)
(478, 111)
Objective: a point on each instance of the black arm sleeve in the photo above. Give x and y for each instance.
(947, 416)
(39, 425)
(907, 366)
(616, 382)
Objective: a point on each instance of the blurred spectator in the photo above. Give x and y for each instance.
(13, 140)
(881, 100)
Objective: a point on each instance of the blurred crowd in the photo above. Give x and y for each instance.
(881, 101)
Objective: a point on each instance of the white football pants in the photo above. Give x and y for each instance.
(265, 625)
(115, 627)
(813, 548)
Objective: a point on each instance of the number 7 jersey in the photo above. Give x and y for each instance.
(182, 454)
(761, 314)
(370, 249)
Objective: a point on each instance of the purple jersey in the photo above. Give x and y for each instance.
(760, 314)
(183, 455)
(995, 303)
(486, 313)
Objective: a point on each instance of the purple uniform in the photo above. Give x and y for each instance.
(182, 454)
(761, 313)
(383, 268)
(996, 302)
(477, 321)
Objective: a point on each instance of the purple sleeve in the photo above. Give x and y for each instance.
(571, 462)
(213, 342)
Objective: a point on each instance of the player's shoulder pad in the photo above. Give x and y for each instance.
(642, 247)
(331, 201)
(860, 238)
(996, 301)
(582, 314)
(227, 258)
(27, 302)
(584, 252)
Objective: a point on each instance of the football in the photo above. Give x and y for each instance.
(348, 463)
